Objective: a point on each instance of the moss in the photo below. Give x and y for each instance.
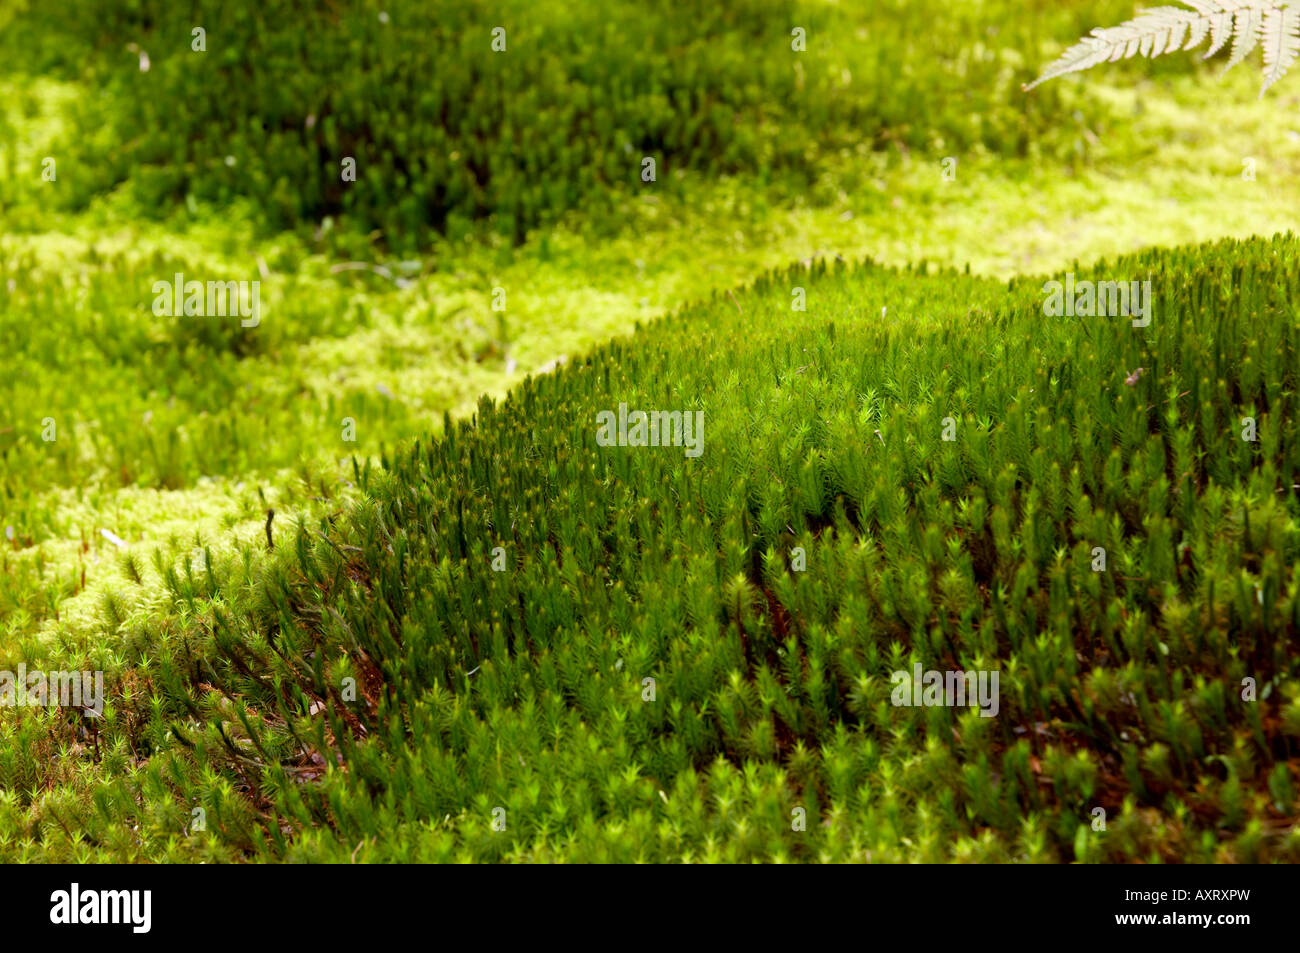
(523, 690)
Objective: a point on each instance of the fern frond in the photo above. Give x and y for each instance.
(1274, 24)
(1219, 22)
(1245, 35)
(1108, 44)
(1281, 43)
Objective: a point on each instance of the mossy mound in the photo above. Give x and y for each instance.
(526, 645)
